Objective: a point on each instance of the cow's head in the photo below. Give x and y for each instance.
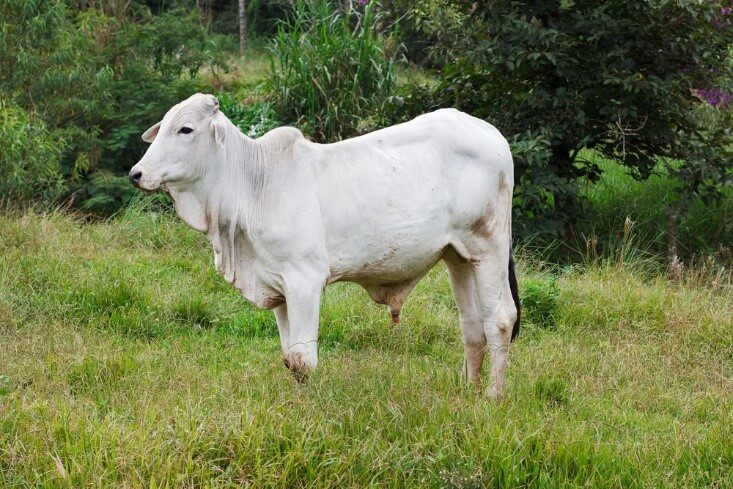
(185, 144)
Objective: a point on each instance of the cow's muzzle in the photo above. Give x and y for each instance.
(135, 176)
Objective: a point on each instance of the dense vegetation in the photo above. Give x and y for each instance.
(330, 73)
(95, 82)
(613, 76)
(82, 80)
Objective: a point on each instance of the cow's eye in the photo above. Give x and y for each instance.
(185, 130)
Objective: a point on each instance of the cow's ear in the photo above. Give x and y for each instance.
(150, 134)
(219, 131)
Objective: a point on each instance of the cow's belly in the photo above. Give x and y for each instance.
(390, 219)
(395, 236)
(380, 260)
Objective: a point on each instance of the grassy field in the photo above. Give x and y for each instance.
(126, 361)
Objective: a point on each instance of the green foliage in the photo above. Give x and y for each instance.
(705, 228)
(615, 76)
(99, 81)
(254, 120)
(106, 192)
(429, 29)
(539, 299)
(30, 157)
(330, 73)
(537, 186)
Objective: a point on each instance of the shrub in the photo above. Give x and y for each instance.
(429, 29)
(253, 120)
(99, 81)
(615, 76)
(539, 300)
(329, 71)
(30, 157)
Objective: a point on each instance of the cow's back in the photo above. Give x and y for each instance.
(394, 199)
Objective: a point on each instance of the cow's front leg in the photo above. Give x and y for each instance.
(302, 300)
(283, 327)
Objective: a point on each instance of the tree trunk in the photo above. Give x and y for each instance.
(242, 27)
(204, 9)
(675, 267)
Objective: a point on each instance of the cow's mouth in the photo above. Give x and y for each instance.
(151, 191)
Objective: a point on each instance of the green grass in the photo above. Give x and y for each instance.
(706, 228)
(126, 361)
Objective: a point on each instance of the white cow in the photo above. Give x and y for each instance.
(287, 216)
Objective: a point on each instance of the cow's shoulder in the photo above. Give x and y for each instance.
(283, 134)
(280, 142)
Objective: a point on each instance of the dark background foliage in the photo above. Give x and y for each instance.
(615, 76)
(98, 81)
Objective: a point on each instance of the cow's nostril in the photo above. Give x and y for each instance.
(135, 177)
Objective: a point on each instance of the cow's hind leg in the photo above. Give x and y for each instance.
(463, 284)
(498, 311)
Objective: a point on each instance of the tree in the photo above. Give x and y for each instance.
(94, 82)
(615, 76)
(242, 19)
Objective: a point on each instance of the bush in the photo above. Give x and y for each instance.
(539, 301)
(429, 29)
(99, 81)
(29, 159)
(253, 120)
(614, 76)
(329, 72)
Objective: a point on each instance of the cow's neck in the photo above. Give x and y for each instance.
(191, 209)
(221, 199)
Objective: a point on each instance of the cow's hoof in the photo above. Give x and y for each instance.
(298, 367)
(494, 394)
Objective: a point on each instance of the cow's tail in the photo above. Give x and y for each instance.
(515, 295)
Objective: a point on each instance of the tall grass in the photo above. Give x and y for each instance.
(126, 361)
(618, 201)
(330, 73)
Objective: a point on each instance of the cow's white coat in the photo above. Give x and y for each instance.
(287, 216)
